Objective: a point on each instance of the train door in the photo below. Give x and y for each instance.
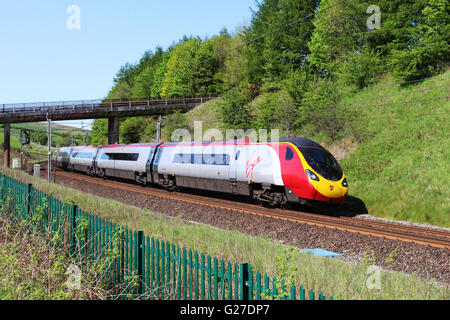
(94, 160)
(148, 165)
(232, 171)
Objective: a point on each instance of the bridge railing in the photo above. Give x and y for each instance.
(98, 103)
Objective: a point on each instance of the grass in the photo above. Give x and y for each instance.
(14, 141)
(33, 269)
(400, 168)
(207, 113)
(333, 277)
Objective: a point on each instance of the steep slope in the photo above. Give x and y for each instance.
(400, 168)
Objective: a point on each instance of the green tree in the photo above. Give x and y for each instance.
(276, 110)
(172, 122)
(180, 66)
(429, 52)
(131, 129)
(100, 132)
(337, 34)
(271, 56)
(361, 69)
(145, 79)
(126, 74)
(235, 110)
(320, 108)
(121, 90)
(204, 78)
(39, 136)
(158, 79)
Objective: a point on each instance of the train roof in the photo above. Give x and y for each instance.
(207, 142)
(150, 144)
(302, 142)
(299, 142)
(82, 147)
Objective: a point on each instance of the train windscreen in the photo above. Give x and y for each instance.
(323, 163)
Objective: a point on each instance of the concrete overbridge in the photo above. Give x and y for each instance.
(112, 109)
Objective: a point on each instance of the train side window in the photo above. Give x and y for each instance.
(289, 154)
(237, 155)
(104, 156)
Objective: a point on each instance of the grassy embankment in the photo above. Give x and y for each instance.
(400, 168)
(333, 277)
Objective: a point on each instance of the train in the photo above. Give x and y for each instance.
(279, 173)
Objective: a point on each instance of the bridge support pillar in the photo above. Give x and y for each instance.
(113, 130)
(7, 145)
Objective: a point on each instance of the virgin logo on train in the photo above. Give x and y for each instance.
(251, 164)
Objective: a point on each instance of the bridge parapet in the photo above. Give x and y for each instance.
(97, 108)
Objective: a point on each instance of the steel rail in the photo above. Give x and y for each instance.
(394, 231)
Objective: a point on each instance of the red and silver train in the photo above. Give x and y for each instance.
(292, 170)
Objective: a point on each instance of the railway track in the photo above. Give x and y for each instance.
(394, 231)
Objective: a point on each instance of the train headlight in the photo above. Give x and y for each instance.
(311, 175)
(344, 183)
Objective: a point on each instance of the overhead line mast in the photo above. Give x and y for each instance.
(49, 141)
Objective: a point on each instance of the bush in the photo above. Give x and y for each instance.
(361, 70)
(276, 110)
(235, 110)
(320, 108)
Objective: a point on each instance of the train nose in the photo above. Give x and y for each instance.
(331, 189)
(334, 190)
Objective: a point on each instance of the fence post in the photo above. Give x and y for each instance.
(302, 293)
(30, 186)
(140, 259)
(311, 295)
(74, 227)
(243, 279)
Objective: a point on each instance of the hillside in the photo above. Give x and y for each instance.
(400, 167)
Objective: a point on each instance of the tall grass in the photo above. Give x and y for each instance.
(400, 168)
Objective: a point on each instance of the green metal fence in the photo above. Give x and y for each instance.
(136, 265)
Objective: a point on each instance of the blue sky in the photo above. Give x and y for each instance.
(41, 59)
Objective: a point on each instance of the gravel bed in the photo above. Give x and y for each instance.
(427, 262)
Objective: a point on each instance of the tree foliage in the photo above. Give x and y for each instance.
(296, 54)
(269, 58)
